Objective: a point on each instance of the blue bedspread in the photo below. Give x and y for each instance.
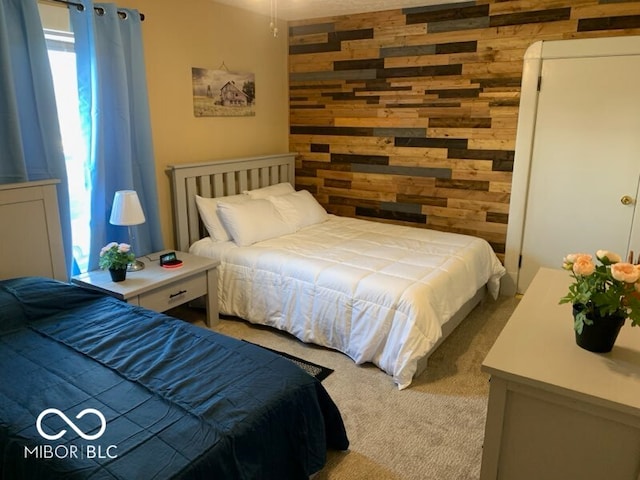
(178, 401)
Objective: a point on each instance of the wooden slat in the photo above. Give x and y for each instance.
(264, 177)
(204, 186)
(218, 185)
(229, 180)
(254, 178)
(243, 180)
(193, 225)
(605, 10)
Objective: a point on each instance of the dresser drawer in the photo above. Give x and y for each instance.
(175, 294)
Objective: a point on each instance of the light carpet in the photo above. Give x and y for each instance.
(432, 430)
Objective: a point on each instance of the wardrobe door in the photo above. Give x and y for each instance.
(585, 166)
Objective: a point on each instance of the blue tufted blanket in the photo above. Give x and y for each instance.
(177, 401)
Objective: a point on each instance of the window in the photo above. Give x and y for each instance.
(63, 68)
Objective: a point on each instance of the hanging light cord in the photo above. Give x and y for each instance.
(274, 17)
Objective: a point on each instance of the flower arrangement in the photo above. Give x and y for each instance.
(611, 288)
(116, 256)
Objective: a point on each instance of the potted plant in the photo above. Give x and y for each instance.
(603, 295)
(116, 257)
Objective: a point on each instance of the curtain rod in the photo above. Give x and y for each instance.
(100, 10)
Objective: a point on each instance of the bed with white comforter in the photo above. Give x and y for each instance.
(377, 292)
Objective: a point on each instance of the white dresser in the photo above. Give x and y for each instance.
(556, 411)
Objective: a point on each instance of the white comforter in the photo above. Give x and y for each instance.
(377, 292)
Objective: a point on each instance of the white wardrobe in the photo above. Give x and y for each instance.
(577, 163)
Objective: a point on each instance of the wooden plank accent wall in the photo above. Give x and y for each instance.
(409, 116)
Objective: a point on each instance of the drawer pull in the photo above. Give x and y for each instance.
(173, 295)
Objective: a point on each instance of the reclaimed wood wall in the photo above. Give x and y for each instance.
(409, 116)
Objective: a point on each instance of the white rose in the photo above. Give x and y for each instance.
(607, 257)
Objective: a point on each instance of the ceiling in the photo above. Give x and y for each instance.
(307, 9)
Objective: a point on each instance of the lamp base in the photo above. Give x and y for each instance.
(135, 266)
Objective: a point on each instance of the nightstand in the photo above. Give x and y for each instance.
(158, 288)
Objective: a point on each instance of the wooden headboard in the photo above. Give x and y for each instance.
(218, 179)
(31, 239)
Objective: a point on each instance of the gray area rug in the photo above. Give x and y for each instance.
(317, 371)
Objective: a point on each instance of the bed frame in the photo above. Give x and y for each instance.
(229, 177)
(31, 239)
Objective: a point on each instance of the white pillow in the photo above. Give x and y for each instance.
(252, 221)
(208, 210)
(264, 192)
(299, 209)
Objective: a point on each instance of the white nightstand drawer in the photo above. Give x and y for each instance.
(175, 294)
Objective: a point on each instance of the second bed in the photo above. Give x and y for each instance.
(380, 293)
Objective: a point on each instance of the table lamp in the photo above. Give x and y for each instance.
(127, 211)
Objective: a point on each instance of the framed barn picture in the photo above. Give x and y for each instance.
(221, 93)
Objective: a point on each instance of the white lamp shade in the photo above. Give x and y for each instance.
(126, 209)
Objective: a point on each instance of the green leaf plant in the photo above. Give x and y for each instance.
(610, 288)
(116, 256)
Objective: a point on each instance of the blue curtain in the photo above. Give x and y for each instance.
(113, 97)
(30, 139)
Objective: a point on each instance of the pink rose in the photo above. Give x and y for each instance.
(124, 248)
(625, 272)
(107, 247)
(583, 265)
(569, 260)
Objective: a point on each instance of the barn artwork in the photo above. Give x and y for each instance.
(221, 93)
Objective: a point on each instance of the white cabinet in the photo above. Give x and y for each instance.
(577, 164)
(556, 411)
